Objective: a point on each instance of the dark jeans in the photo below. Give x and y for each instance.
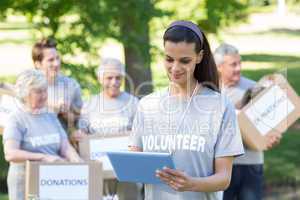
(246, 183)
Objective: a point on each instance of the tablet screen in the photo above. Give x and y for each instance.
(139, 167)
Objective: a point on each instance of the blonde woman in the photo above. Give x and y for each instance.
(32, 133)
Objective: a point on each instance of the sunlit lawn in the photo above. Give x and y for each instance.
(3, 197)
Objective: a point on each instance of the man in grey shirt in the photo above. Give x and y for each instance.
(107, 114)
(64, 93)
(247, 172)
(111, 111)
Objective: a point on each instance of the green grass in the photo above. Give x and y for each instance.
(263, 57)
(258, 65)
(282, 162)
(8, 79)
(3, 197)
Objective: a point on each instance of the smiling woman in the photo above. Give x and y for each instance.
(190, 119)
(64, 93)
(188, 55)
(32, 133)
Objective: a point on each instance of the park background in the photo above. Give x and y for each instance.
(267, 33)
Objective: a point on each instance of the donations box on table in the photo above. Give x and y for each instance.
(94, 148)
(275, 108)
(64, 181)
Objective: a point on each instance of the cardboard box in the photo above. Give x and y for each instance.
(64, 181)
(272, 111)
(93, 147)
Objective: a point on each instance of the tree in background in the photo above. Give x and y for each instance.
(211, 15)
(81, 26)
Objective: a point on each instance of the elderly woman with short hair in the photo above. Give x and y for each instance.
(108, 113)
(32, 133)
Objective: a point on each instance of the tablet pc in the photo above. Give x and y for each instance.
(139, 167)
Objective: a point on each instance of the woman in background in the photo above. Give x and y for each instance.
(64, 93)
(32, 133)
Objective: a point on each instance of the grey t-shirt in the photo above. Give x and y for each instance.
(235, 94)
(101, 115)
(38, 133)
(195, 135)
(65, 90)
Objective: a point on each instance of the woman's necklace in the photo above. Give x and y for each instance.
(184, 112)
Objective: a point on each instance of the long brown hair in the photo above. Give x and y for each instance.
(206, 71)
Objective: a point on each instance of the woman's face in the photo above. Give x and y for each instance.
(180, 62)
(50, 65)
(37, 98)
(111, 82)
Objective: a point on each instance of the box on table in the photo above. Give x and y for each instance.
(272, 111)
(64, 181)
(93, 147)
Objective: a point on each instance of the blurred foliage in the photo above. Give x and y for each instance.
(8, 79)
(81, 26)
(210, 15)
(261, 2)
